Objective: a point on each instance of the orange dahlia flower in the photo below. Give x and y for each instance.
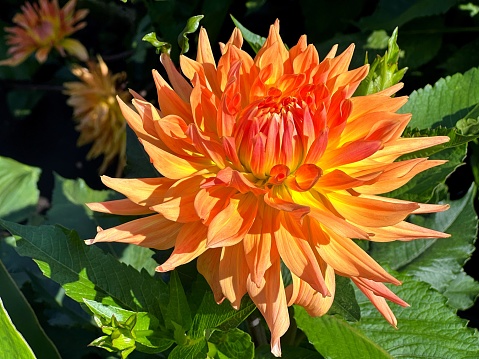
(97, 112)
(268, 160)
(43, 26)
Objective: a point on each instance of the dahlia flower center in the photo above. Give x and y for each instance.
(270, 141)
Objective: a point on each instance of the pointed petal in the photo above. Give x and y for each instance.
(233, 272)
(190, 243)
(370, 211)
(348, 259)
(143, 191)
(152, 232)
(297, 254)
(403, 231)
(208, 265)
(270, 299)
(124, 207)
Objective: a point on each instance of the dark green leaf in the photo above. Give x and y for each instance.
(211, 315)
(178, 309)
(191, 26)
(335, 338)
(233, 344)
(85, 272)
(427, 329)
(138, 163)
(24, 318)
(18, 189)
(439, 261)
(345, 303)
(68, 205)
(255, 41)
(13, 344)
(444, 104)
(390, 14)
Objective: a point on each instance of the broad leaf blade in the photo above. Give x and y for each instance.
(439, 261)
(18, 189)
(428, 329)
(345, 303)
(444, 104)
(13, 344)
(86, 272)
(335, 338)
(178, 308)
(233, 344)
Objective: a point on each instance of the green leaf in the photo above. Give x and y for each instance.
(345, 303)
(197, 348)
(139, 258)
(389, 14)
(334, 338)
(160, 46)
(23, 316)
(18, 189)
(255, 41)
(142, 327)
(439, 261)
(222, 316)
(178, 309)
(427, 329)
(384, 70)
(443, 104)
(290, 352)
(191, 26)
(233, 344)
(86, 272)
(13, 344)
(68, 205)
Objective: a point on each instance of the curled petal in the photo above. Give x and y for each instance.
(232, 278)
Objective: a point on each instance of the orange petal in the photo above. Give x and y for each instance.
(349, 153)
(231, 224)
(143, 191)
(152, 232)
(270, 299)
(209, 202)
(233, 272)
(178, 203)
(180, 85)
(257, 243)
(123, 207)
(403, 231)
(297, 254)
(370, 211)
(190, 243)
(347, 258)
(394, 149)
(208, 265)
(301, 293)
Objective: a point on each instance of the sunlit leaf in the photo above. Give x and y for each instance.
(191, 26)
(13, 344)
(233, 344)
(18, 189)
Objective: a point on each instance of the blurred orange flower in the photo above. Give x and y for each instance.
(270, 160)
(97, 112)
(43, 26)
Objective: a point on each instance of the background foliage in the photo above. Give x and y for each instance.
(45, 179)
